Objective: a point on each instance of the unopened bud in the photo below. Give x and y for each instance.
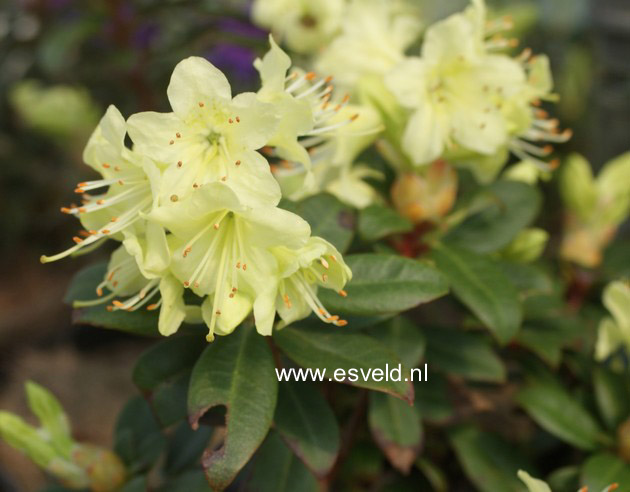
(577, 186)
(427, 197)
(527, 246)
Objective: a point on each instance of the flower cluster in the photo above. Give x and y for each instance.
(195, 204)
(462, 99)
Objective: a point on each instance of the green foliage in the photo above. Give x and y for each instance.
(235, 372)
(386, 284)
(478, 282)
(308, 426)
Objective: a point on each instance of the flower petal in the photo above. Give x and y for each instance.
(195, 80)
(173, 310)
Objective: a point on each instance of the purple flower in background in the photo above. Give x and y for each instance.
(145, 34)
(235, 60)
(240, 28)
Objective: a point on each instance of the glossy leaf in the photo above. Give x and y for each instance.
(83, 288)
(489, 462)
(396, 428)
(306, 423)
(469, 355)
(138, 438)
(185, 448)
(377, 222)
(384, 284)
(556, 411)
(602, 470)
(236, 371)
(514, 206)
(432, 398)
(191, 481)
(403, 338)
(612, 394)
(277, 469)
(163, 374)
(480, 284)
(332, 348)
(547, 337)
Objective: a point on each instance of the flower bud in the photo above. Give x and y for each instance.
(427, 197)
(583, 243)
(527, 246)
(577, 186)
(104, 469)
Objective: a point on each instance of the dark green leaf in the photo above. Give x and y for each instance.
(403, 338)
(237, 372)
(137, 484)
(602, 470)
(328, 217)
(163, 374)
(277, 469)
(395, 426)
(138, 439)
(478, 282)
(377, 222)
(488, 461)
(565, 478)
(556, 411)
(514, 206)
(383, 284)
(432, 398)
(612, 395)
(186, 447)
(83, 288)
(307, 424)
(435, 476)
(469, 355)
(166, 360)
(547, 337)
(192, 481)
(331, 349)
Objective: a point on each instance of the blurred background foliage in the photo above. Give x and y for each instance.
(63, 61)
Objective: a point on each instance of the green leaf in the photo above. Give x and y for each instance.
(138, 439)
(162, 373)
(237, 372)
(186, 447)
(469, 355)
(333, 349)
(192, 481)
(488, 461)
(547, 337)
(612, 395)
(377, 222)
(395, 426)
(83, 288)
(556, 411)
(166, 360)
(403, 338)
(277, 469)
(383, 284)
(514, 206)
(306, 423)
(328, 217)
(435, 476)
(565, 478)
(432, 398)
(137, 484)
(604, 469)
(478, 282)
